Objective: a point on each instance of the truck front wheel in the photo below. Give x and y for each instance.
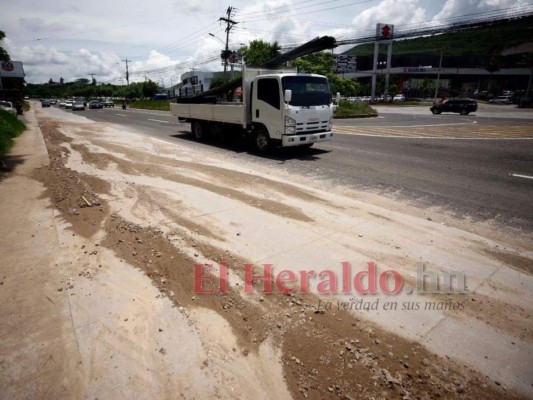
(262, 142)
(198, 130)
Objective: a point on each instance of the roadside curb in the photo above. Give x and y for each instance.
(35, 314)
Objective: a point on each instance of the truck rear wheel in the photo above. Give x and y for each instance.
(262, 142)
(198, 130)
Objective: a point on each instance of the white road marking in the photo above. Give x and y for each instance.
(522, 176)
(432, 137)
(407, 126)
(122, 115)
(158, 120)
(162, 141)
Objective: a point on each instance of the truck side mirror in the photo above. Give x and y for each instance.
(338, 97)
(288, 95)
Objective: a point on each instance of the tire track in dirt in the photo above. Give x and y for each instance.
(326, 355)
(154, 170)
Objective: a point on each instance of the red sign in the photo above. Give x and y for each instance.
(384, 31)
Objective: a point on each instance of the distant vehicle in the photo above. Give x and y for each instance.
(61, 103)
(461, 106)
(52, 101)
(398, 97)
(109, 103)
(501, 100)
(94, 104)
(68, 104)
(45, 103)
(7, 106)
(78, 105)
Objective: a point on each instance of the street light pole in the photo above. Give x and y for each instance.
(438, 77)
(217, 38)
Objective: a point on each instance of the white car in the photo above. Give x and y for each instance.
(501, 100)
(78, 105)
(68, 104)
(398, 97)
(7, 106)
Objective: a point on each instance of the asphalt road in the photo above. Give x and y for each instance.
(480, 165)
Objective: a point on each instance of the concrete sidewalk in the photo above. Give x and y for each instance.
(38, 355)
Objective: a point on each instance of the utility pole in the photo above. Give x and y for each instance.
(229, 24)
(127, 72)
(92, 78)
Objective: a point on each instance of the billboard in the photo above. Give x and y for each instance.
(344, 63)
(11, 69)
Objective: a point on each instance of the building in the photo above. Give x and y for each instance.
(488, 57)
(417, 75)
(194, 82)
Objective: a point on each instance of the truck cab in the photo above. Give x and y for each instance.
(287, 109)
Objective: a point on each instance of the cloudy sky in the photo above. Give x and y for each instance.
(165, 38)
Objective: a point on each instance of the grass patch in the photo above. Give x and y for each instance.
(10, 127)
(161, 105)
(347, 109)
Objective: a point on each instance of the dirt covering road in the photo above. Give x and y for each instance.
(112, 311)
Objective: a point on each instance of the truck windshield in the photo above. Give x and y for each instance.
(307, 90)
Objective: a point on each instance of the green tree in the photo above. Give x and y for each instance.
(315, 63)
(216, 81)
(149, 88)
(4, 56)
(258, 52)
(321, 63)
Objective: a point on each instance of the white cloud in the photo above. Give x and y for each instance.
(171, 37)
(454, 8)
(38, 25)
(398, 12)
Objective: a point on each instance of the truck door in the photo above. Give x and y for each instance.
(266, 106)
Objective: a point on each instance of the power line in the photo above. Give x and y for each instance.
(454, 23)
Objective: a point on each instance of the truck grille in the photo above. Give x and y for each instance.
(311, 127)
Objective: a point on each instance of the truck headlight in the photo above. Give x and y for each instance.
(290, 121)
(290, 125)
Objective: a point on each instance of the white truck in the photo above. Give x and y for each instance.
(279, 108)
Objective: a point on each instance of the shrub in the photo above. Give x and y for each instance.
(347, 108)
(10, 127)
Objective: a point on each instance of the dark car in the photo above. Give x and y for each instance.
(45, 103)
(461, 106)
(109, 103)
(95, 104)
